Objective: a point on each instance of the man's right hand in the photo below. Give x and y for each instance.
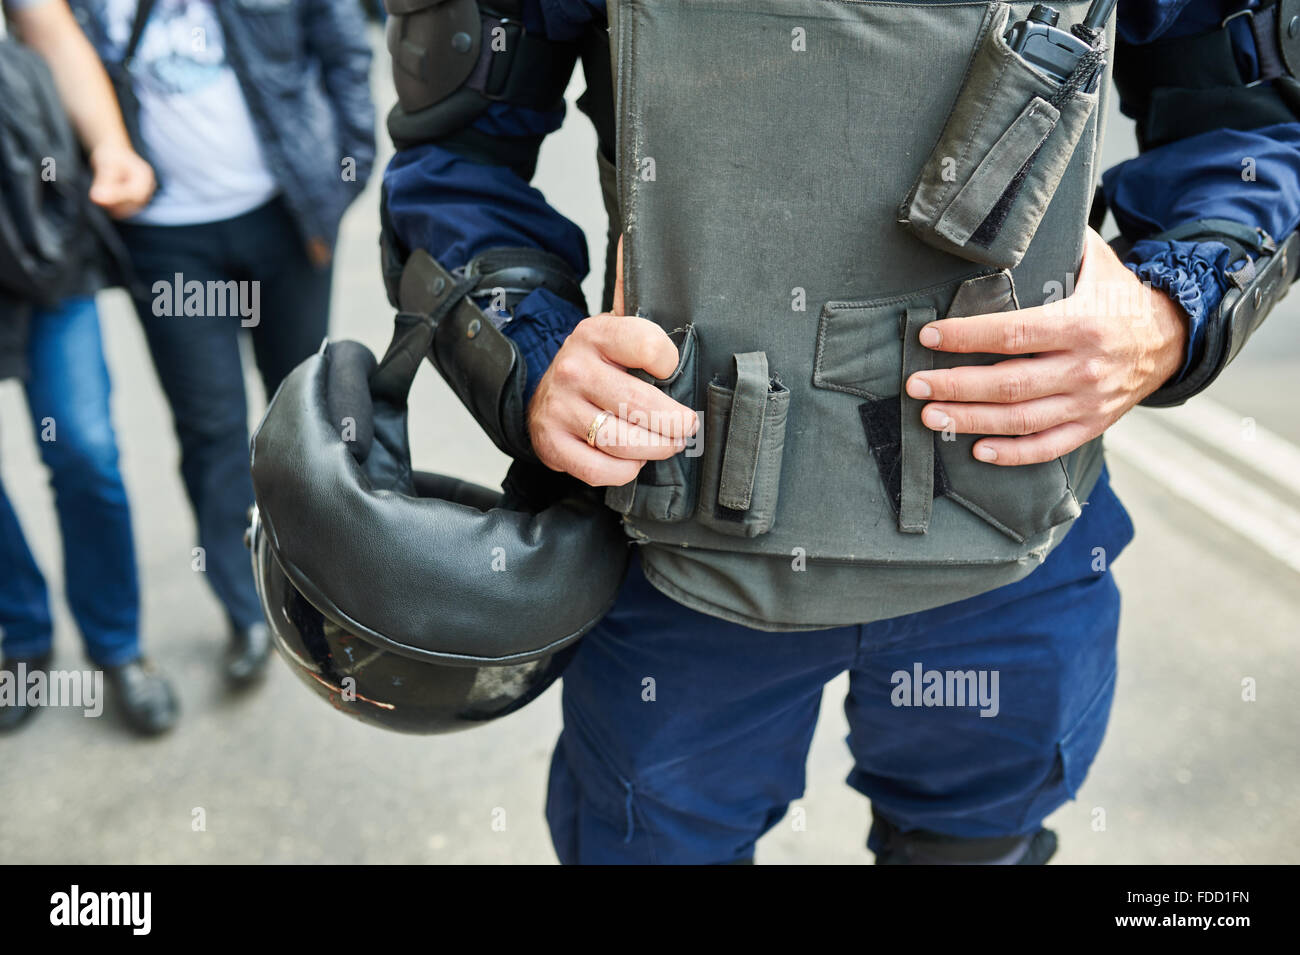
(590, 375)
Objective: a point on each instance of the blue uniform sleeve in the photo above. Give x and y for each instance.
(1247, 176)
(454, 207)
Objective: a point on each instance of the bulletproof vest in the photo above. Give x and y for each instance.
(801, 186)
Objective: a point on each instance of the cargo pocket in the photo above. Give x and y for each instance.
(665, 490)
(1075, 753)
(745, 441)
(1003, 151)
(869, 350)
(1080, 746)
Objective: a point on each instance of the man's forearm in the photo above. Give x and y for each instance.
(51, 30)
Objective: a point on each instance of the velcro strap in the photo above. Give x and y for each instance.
(412, 337)
(1268, 53)
(744, 431)
(476, 359)
(521, 68)
(916, 491)
(1203, 60)
(1243, 276)
(997, 179)
(1256, 240)
(1245, 244)
(518, 270)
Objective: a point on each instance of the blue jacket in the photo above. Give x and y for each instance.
(456, 208)
(304, 68)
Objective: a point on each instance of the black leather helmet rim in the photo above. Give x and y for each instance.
(413, 574)
(382, 688)
(318, 600)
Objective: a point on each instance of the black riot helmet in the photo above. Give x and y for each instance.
(412, 601)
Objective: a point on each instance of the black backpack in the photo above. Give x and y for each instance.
(50, 231)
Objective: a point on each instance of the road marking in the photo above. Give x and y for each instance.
(1239, 437)
(1267, 520)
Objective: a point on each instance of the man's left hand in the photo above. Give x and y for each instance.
(1088, 358)
(319, 252)
(123, 183)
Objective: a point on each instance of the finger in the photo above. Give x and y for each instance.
(622, 436)
(120, 210)
(1035, 449)
(613, 389)
(1097, 255)
(118, 203)
(592, 466)
(619, 308)
(1007, 382)
(105, 191)
(632, 342)
(142, 183)
(1020, 332)
(1024, 417)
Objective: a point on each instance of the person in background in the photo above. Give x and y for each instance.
(258, 120)
(58, 352)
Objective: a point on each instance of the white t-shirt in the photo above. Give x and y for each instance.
(195, 124)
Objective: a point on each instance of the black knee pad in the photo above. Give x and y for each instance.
(892, 846)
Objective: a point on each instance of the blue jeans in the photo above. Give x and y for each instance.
(198, 363)
(68, 397)
(696, 765)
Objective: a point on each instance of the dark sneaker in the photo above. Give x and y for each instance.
(14, 716)
(144, 696)
(250, 648)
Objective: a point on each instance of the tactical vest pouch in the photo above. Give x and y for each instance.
(1003, 151)
(744, 442)
(1022, 501)
(869, 349)
(666, 490)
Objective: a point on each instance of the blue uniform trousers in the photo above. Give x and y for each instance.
(685, 736)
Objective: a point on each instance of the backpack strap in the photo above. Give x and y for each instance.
(142, 11)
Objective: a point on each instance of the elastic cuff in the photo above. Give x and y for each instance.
(542, 321)
(1192, 274)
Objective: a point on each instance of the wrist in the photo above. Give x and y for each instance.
(112, 143)
(111, 148)
(1185, 284)
(1171, 333)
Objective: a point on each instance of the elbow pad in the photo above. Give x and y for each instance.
(483, 366)
(1253, 290)
(452, 59)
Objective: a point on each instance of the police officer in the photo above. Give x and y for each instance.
(732, 657)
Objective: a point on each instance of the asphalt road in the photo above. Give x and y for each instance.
(1189, 773)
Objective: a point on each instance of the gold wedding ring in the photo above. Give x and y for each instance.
(596, 422)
